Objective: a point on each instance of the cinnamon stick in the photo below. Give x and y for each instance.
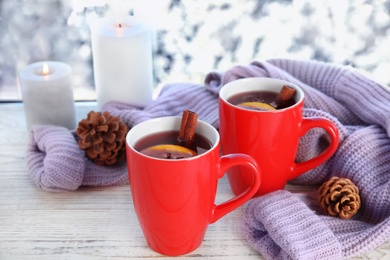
(285, 97)
(187, 130)
(286, 93)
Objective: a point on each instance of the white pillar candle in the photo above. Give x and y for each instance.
(47, 94)
(122, 60)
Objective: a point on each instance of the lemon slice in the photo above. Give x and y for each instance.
(169, 151)
(257, 106)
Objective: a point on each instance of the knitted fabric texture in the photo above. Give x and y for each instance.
(56, 163)
(283, 225)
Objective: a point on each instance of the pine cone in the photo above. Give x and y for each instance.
(103, 138)
(339, 196)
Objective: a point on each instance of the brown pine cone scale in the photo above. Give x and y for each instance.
(102, 137)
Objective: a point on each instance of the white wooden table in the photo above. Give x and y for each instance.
(92, 222)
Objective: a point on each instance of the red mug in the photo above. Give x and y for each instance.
(175, 199)
(270, 137)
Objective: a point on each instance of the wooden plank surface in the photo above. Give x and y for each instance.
(92, 222)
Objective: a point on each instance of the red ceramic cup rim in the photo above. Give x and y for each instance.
(163, 124)
(255, 84)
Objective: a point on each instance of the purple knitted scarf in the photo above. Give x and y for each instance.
(279, 225)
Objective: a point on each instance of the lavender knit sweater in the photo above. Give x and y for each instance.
(280, 225)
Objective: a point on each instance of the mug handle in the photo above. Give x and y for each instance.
(226, 162)
(307, 124)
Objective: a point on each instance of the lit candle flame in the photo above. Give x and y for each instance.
(119, 29)
(45, 69)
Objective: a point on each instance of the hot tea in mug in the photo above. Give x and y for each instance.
(265, 100)
(262, 117)
(163, 145)
(174, 198)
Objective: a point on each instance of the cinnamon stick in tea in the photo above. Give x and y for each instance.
(187, 130)
(284, 96)
(286, 93)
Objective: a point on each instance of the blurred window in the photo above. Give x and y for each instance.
(192, 38)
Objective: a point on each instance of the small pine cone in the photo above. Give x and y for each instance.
(103, 138)
(339, 196)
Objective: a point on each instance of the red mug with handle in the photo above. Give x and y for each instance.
(270, 137)
(175, 199)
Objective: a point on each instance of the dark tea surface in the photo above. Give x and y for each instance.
(267, 97)
(168, 139)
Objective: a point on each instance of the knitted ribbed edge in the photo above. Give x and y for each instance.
(364, 157)
(54, 160)
(56, 163)
(367, 99)
(369, 170)
(282, 227)
(173, 99)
